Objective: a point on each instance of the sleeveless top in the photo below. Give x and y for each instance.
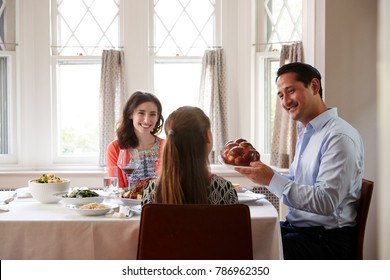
(221, 191)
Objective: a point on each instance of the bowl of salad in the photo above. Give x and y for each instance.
(43, 188)
(79, 197)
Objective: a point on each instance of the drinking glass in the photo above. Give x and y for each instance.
(128, 161)
(110, 180)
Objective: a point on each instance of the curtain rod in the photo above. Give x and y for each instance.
(121, 47)
(273, 43)
(178, 47)
(88, 47)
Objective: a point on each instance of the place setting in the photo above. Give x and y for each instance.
(249, 197)
(128, 199)
(5, 200)
(8, 198)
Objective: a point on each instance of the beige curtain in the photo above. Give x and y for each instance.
(212, 98)
(111, 97)
(284, 136)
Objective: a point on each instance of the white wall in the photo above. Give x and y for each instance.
(350, 55)
(383, 101)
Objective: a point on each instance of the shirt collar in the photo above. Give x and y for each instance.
(318, 122)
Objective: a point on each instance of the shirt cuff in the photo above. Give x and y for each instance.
(277, 184)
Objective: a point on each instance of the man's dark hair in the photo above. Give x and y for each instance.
(304, 73)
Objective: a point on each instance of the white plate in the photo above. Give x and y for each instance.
(128, 201)
(249, 196)
(242, 190)
(94, 212)
(231, 166)
(23, 192)
(136, 209)
(78, 200)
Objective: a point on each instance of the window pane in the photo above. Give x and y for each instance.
(177, 84)
(284, 22)
(78, 103)
(272, 68)
(85, 27)
(183, 28)
(3, 106)
(82, 28)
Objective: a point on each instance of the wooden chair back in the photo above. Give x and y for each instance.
(195, 232)
(362, 214)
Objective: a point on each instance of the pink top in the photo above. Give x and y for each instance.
(112, 158)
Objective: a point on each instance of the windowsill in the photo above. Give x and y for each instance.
(95, 170)
(90, 176)
(85, 170)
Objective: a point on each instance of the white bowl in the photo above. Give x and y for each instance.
(78, 200)
(95, 212)
(44, 192)
(128, 201)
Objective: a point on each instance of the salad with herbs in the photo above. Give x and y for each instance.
(49, 178)
(80, 193)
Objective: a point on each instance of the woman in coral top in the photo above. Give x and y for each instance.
(138, 128)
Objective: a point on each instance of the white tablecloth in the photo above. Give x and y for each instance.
(31, 230)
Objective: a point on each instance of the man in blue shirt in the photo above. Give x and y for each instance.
(324, 182)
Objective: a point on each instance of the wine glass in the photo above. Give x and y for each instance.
(128, 161)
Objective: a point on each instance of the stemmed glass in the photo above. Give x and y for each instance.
(128, 161)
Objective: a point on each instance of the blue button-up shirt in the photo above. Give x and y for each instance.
(324, 181)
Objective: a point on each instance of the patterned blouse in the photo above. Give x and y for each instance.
(147, 168)
(221, 191)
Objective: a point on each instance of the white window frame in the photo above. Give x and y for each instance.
(263, 94)
(178, 59)
(57, 157)
(32, 78)
(11, 156)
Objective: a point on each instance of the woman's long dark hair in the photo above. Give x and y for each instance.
(184, 174)
(125, 130)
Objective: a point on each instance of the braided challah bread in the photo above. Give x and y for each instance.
(239, 152)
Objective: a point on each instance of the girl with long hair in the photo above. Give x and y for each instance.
(185, 175)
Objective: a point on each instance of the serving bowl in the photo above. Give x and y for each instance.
(44, 192)
(77, 200)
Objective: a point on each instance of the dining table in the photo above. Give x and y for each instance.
(30, 230)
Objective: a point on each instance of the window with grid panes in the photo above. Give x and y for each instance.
(81, 30)
(278, 22)
(181, 31)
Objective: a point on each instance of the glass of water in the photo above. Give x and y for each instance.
(110, 180)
